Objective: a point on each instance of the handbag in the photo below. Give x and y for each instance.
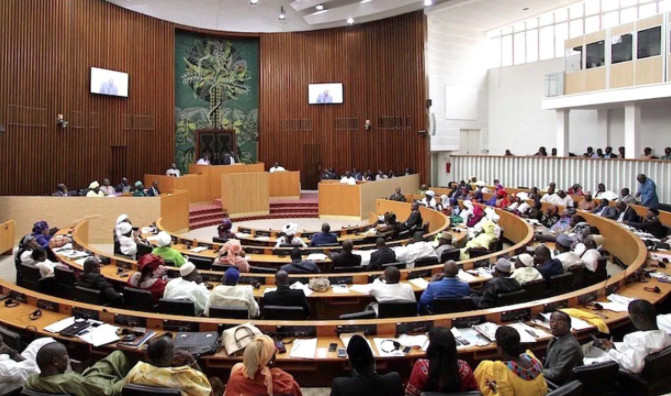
(319, 285)
(237, 338)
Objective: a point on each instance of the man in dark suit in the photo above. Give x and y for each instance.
(298, 266)
(323, 238)
(563, 352)
(627, 213)
(153, 190)
(346, 258)
(650, 224)
(397, 196)
(383, 255)
(284, 296)
(415, 220)
(365, 381)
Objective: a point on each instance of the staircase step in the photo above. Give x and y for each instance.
(201, 223)
(294, 204)
(296, 210)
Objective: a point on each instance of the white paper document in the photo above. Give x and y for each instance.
(340, 289)
(577, 324)
(300, 286)
(420, 283)
(470, 336)
(363, 289)
(304, 349)
(198, 249)
(528, 333)
(316, 257)
(419, 340)
(101, 335)
(60, 325)
(465, 276)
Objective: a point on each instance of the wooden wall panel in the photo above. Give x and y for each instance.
(381, 65)
(46, 50)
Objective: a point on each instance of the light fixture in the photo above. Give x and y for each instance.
(253, 2)
(350, 20)
(428, 3)
(320, 7)
(365, 1)
(282, 16)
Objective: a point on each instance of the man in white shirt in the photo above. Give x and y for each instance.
(15, 368)
(588, 251)
(289, 238)
(429, 201)
(39, 260)
(567, 257)
(26, 247)
(188, 287)
(173, 171)
(559, 199)
(94, 190)
(631, 352)
(414, 251)
(525, 270)
(388, 289)
(204, 160)
(348, 179)
(231, 295)
(107, 188)
(277, 168)
(127, 243)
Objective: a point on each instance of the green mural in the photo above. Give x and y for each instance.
(216, 86)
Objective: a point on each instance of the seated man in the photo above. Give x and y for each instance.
(323, 238)
(587, 204)
(648, 339)
(127, 242)
(559, 199)
(92, 279)
(346, 258)
(298, 266)
(525, 270)
(61, 191)
(190, 287)
(15, 367)
(589, 251)
(499, 284)
(397, 196)
(365, 380)
(550, 216)
(167, 253)
(422, 189)
(173, 171)
(388, 289)
(564, 222)
(627, 213)
(170, 368)
(40, 261)
(445, 285)
(650, 224)
(626, 197)
(444, 244)
(348, 179)
(414, 221)
(231, 295)
(204, 160)
(563, 351)
(545, 264)
(107, 188)
(289, 237)
(153, 191)
(383, 255)
(276, 168)
(105, 378)
(94, 190)
(285, 296)
(429, 200)
(607, 211)
(123, 187)
(138, 191)
(567, 257)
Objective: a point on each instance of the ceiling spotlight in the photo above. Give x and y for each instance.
(428, 3)
(320, 7)
(350, 20)
(253, 2)
(365, 1)
(282, 16)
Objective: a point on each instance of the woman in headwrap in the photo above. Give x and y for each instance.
(254, 377)
(232, 254)
(502, 200)
(467, 212)
(41, 234)
(224, 229)
(289, 238)
(123, 218)
(478, 214)
(151, 276)
(138, 191)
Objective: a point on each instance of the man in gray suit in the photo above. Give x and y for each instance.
(564, 352)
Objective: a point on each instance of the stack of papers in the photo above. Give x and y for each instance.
(420, 283)
(577, 324)
(72, 254)
(198, 249)
(420, 341)
(385, 347)
(101, 335)
(340, 289)
(317, 257)
(363, 289)
(60, 325)
(487, 330)
(304, 349)
(148, 230)
(465, 276)
(527, 333)
(305, 288)
(618, 303)
(468, 337)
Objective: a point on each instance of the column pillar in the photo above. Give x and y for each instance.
(562, 132)
(603, 127)
(632, 135)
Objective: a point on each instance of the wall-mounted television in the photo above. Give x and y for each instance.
(325, 93)
(109, 82)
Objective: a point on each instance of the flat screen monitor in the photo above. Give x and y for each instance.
(325, 93)
(109, 82)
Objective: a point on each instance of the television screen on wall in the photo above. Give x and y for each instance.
(325, 93)
(109, 82)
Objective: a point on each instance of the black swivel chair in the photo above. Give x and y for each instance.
(30, 277)
(450, 305)
(560, 284)
(219, 240)
(450, 255)
(262, 270)
(87, 295)
(598, 379)
(12, 339)
(201, 263)
(138, 299)
(397, 265)
(47, 285)
(229, 313)
(143, 249)
(536, 290)
(221, 267)
(345, 270)
(176, 307)
(426, 261)
(653, 380)
(397, 309)
(512, 298)
(276, 312)
(367, 314)
(478, 252)
(142, 390)
(65, 282)
(573, 388)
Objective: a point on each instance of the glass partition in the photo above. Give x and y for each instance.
(595, 54)
(649, 42)
(573, 59)
(621, 48)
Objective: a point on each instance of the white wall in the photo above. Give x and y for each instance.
(516, 121)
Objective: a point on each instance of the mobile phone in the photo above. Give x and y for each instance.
(342, 353)
(280, 347)
(332, 347)
(407, 349)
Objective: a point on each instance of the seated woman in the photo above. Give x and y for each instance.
(389, 224)
(478, 214)
(151, 276)
(41, 234)
(224, 229)
(232, 254)
(289, 236)
(138, 191)
(254, 377)
(123, 218)
(441, 371)
(516, 374)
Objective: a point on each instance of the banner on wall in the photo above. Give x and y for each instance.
(216, 86)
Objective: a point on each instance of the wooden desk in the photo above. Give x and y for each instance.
(7, 237)
(214, 173)
(197, 185)
(285, 185)
(245, 194)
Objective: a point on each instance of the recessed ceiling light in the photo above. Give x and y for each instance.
(428, 2)
(282, 15)
(350, 20)
(365, 1)
(320, 7)
(253, 2)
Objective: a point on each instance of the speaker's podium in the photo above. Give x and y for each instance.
(245, 194)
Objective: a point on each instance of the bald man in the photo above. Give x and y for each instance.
(445, 285)
(105, 378)
(285, 296)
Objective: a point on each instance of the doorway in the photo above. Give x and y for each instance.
(469, 142)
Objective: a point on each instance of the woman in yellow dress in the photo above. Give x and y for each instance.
(516, 374)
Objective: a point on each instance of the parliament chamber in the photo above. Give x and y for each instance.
(312, 198)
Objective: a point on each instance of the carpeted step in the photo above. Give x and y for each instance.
(207, 222)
